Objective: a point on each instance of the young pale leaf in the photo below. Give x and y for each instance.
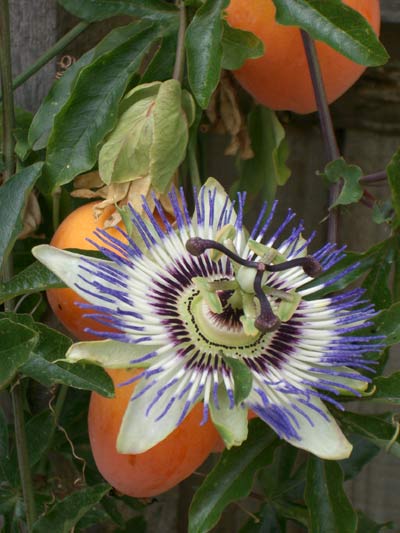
(156, 10)
(336, 24)
(65, 514)
(328, 506)
(232, 478)
(74, 143)
(60, 91)
(17, 344)
(393, 174)
(239, 45)
(261, 175)
(351, 191)
(204, 50)
(13, 197)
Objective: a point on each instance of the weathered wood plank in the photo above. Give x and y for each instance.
(33, 31)
(390, 10)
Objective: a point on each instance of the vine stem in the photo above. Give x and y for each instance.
(8, 150)
(49, 54)
(180, 47)
(377, 178)
(328, 132)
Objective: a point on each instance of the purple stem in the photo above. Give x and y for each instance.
(328, 133)
(377, 178)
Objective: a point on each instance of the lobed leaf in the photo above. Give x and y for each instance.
(388, 388)
(328, 506)
(232, 478)
(387, 323)
(336, 24)
(238, 46)
(204, 50)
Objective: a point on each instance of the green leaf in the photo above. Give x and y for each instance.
(204, 50)
(329, 508)
(242, 378)
(38, 430)
(35, 278)
(261, 175)
(65, 514)
(336, 24)
(17, 343)
(387, 323)
(393, 174)
(4, 448)
(162, 63)
(239, 45)
(13, 197)
(377, 280)
(363, 451)
(267, 522)
(379, 429)
(349, 175)
(366, 525)
(349, 269)
(232, 478)
(47, 365)
(74, 143)
(60, 91)
(388, 388)
(156, 10)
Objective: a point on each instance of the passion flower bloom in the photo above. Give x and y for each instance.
(219, 315)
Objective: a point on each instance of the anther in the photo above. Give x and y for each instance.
(196, 246)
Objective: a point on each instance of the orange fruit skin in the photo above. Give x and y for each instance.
(72, 233)
(280, 78)
(160, 468)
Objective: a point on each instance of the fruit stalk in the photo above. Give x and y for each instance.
(8, 150)
(328, 132)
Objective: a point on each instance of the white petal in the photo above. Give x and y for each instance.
(143, 427)
(317, 434)
(231, 423)
(112, 354)
(67, 266)
(221, 214)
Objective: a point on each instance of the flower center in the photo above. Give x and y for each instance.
(210, 305)
(225, 329)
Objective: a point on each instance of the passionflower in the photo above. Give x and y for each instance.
(219, 315)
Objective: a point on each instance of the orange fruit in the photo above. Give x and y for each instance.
(72, 233)
(280, 78)
(160, 468)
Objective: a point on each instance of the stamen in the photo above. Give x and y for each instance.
(197, 246)
(266, 320)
